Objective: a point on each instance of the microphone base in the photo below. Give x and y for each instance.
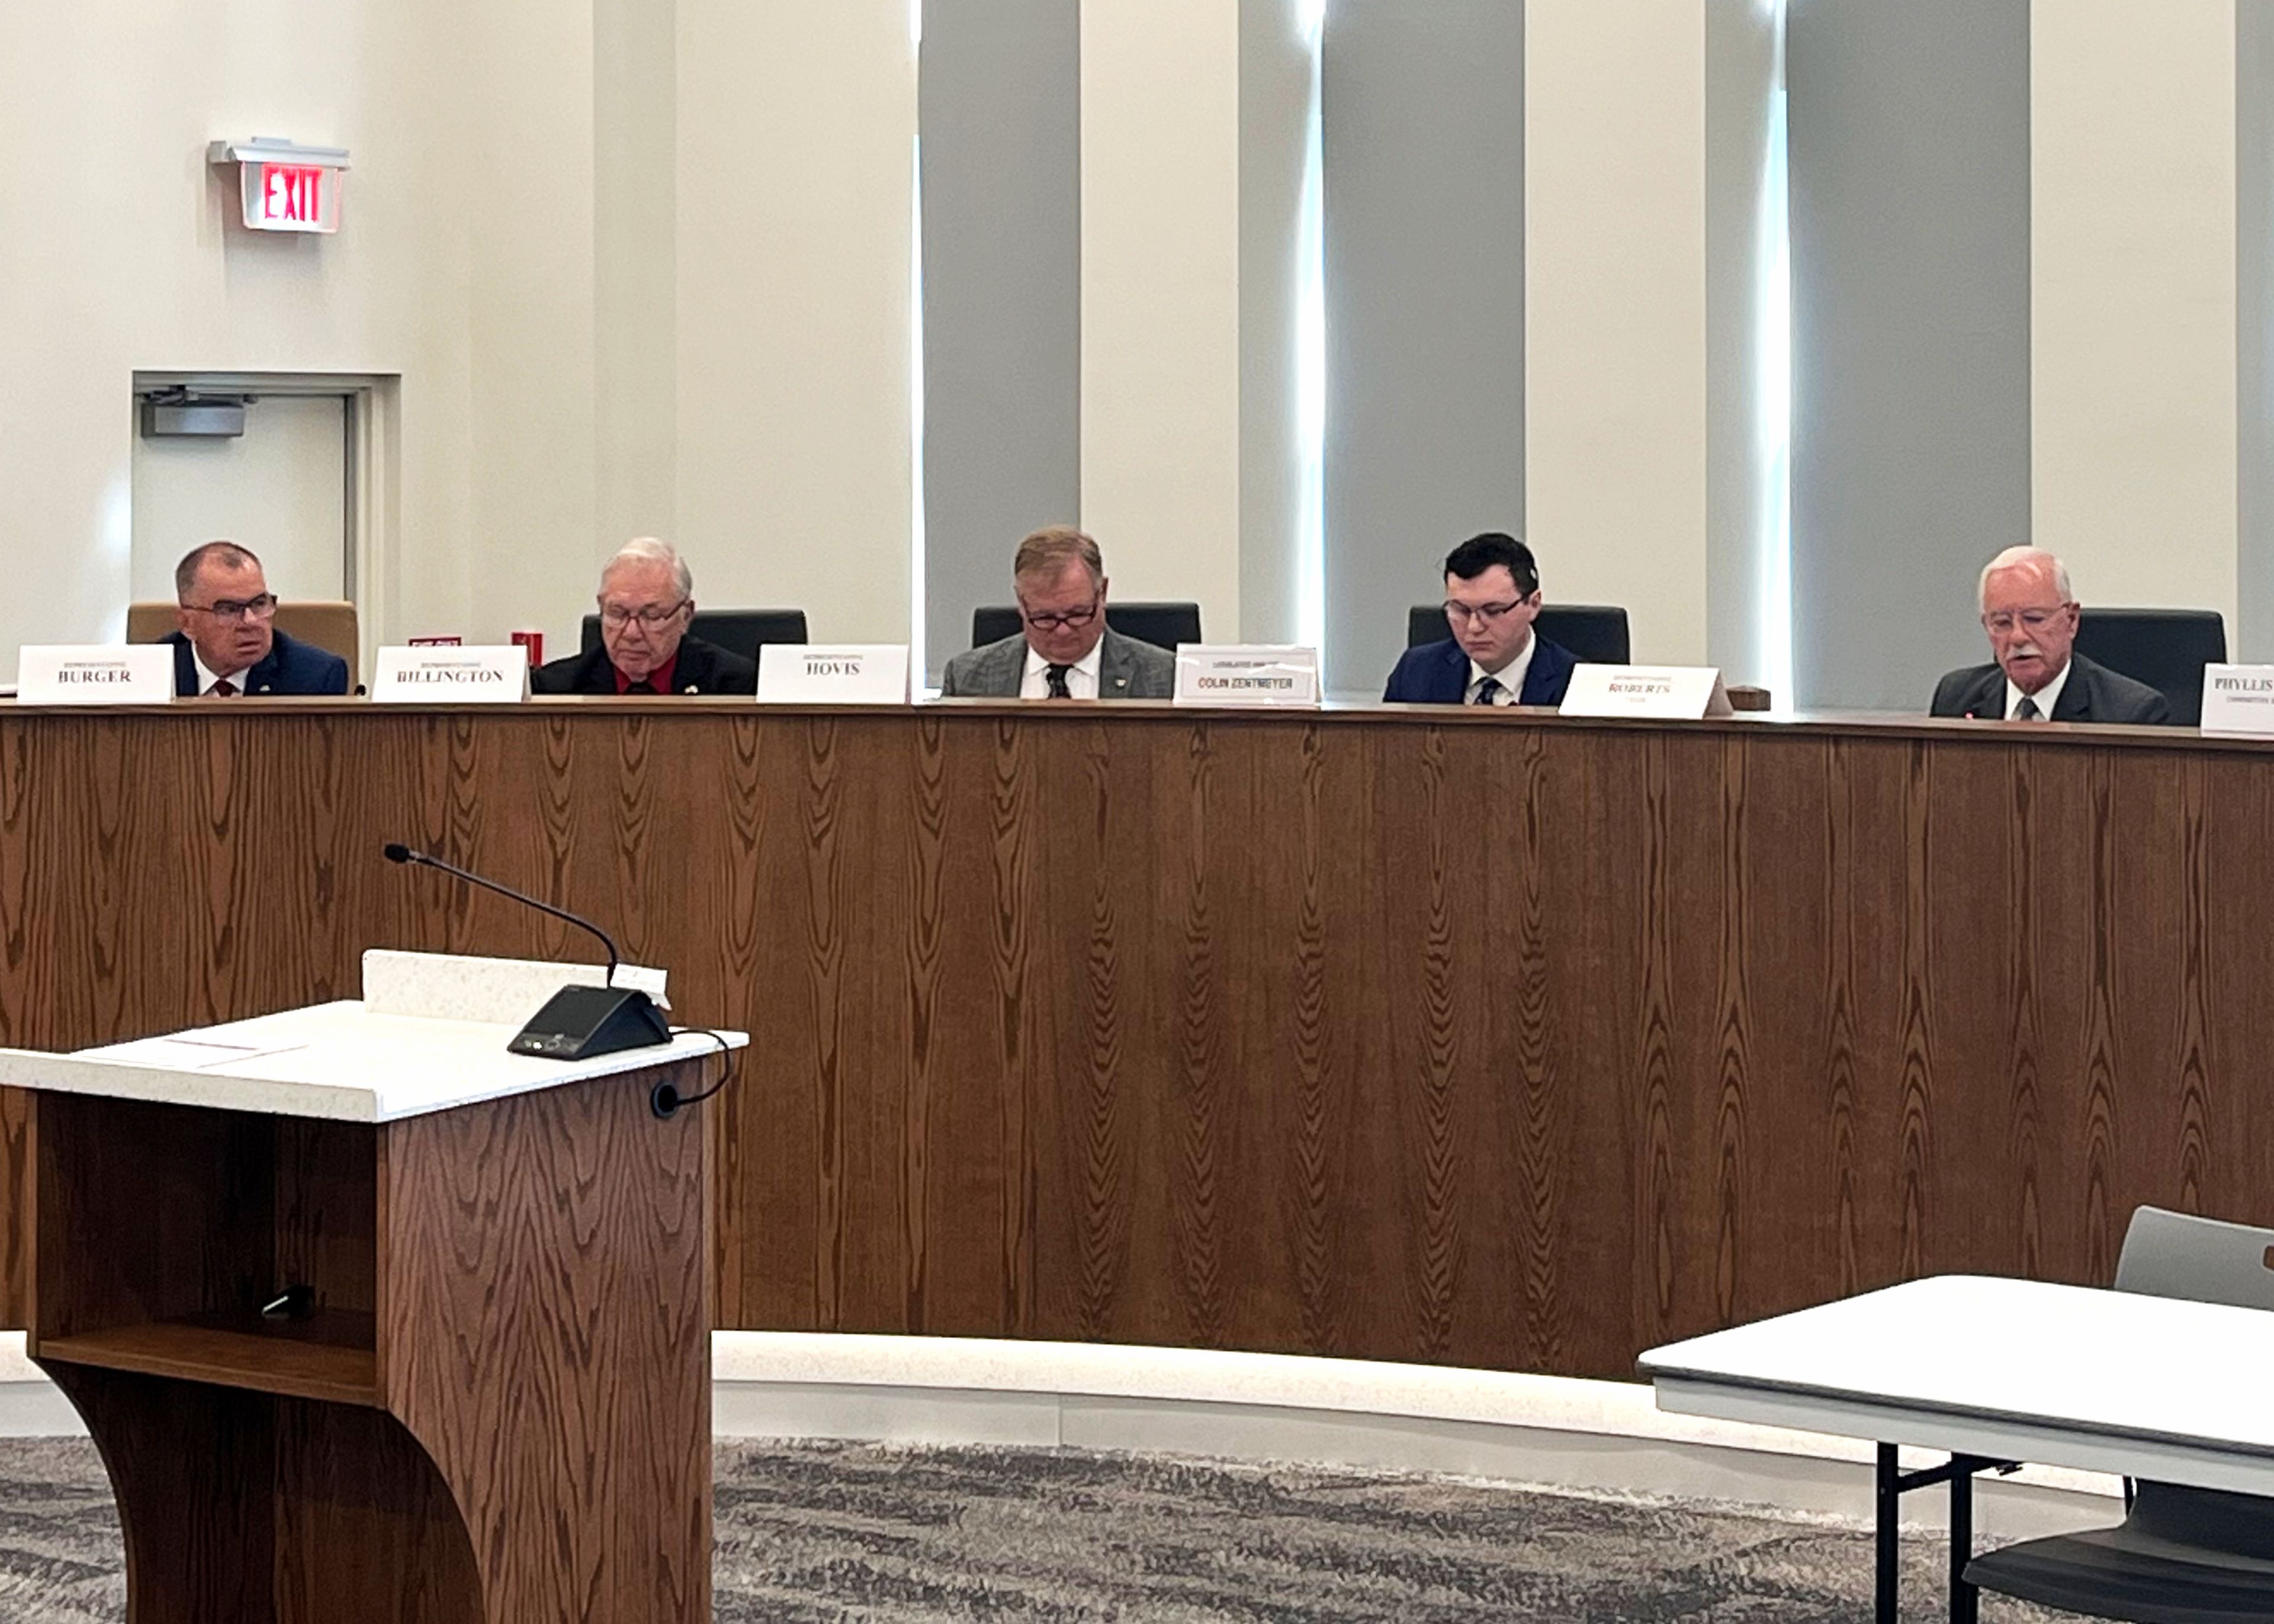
(578, 1022)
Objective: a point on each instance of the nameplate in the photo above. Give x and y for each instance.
(1246, 674)
(837, 673)
(429, 673)
(124, 673)
(1648, 693)
(2238, 699)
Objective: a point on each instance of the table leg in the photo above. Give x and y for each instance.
(1889, 1500)
(1964, 1600)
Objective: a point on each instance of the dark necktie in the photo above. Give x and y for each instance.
(641, 687)
(1489, 691)
(224, 689)
(1058, 675)
(2028, 711)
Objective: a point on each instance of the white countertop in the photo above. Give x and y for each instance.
(342, 1061)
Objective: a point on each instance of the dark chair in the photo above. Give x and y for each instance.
(1597, 633)
(2181, 1555)
(1164, 626)
(739, 631)
(2167, 649)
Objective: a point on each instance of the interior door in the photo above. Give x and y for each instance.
(281, 489)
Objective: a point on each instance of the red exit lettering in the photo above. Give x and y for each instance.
(291, 195)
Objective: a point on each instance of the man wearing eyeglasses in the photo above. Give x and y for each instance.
(647, 597)
(1066, 649)
(2031, 617)
(227, 642)
(1492, 596)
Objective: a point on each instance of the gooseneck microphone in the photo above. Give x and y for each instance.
(395, 852)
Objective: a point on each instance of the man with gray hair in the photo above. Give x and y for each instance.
(2037, 676)
(1066, 649)
(647, 597)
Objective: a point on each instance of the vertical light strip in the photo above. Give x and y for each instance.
(1774, 361)
(1311, 350)
(918, 593)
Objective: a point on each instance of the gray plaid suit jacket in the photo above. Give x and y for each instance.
(1127, 669)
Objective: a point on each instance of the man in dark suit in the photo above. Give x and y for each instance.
(647, 597)
(1492, 596)
(227, 642)
(1066, 649)
(2031, 617)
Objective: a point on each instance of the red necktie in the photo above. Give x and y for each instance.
(224, 689)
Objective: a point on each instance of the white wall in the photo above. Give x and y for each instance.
(2133, 272)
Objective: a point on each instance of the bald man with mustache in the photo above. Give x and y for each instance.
(2036, 676)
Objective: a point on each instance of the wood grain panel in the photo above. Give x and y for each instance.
(1502, 1040)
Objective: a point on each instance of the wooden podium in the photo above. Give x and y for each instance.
(498, 1410)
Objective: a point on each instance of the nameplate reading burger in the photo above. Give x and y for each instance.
(125, 673)
(479, 674)
(835, 673)
(1648, 693)
(1246, 674)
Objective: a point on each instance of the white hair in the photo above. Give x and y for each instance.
(651, 550)
(2025, 558)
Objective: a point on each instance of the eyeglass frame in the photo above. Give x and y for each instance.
(649, 620)
(1070, 620)
(1487, 614)
(235, 611)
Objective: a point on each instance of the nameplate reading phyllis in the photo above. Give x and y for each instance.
(125, 673)
(837, 673)
(2238, 699)
(1246, 674)
(479, 674)
(1659, 693)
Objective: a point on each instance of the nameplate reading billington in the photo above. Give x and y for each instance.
(481, 675)
(838, 673)
(1246, 674)
(1648, 693)
(124, 673)
(2238, 699)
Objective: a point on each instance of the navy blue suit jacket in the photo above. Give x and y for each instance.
(1437, 673)
(289, 667)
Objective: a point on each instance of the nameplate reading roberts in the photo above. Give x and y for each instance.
(2238, 699)
(838, 673)
(1661, 693)
(1246, 674)
(481, 675)
(125, 673)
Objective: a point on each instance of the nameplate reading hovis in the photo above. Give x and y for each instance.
(2238, 699)
(838, 673)
(1246, 674)
(1659, 693)
(125, 673)
(478, 675)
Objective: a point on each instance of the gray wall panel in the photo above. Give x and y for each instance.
(2252, 639)
(1423, 116)
(1910, 255)
(1000, 120)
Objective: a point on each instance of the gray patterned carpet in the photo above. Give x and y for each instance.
(814, 1531)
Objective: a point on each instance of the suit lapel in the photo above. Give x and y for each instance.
(2076, 702)
(1457, 673)
(1115, 668)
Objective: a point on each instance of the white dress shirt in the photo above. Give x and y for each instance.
(1081, 676)
(208, 676)
(2046, 698)
(1510, 677)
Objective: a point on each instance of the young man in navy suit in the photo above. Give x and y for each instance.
(1492, 596)
(227, 642)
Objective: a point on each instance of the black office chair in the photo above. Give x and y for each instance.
(1597, 633)
(2181, 1555)
(1164, 626)
(739, 631)
(2167, 649)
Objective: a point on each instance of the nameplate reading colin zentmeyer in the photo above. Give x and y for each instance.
(1261, 674)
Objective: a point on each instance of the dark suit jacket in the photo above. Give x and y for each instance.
(1437, 673)
(2092, 694)
(289, 667)
(702, 668)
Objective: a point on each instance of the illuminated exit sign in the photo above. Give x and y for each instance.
(284, 187)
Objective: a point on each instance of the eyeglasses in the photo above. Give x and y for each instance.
(1060, 622)
(618, 616)
(230, 611)
(2031, 620)
(1480, 613)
